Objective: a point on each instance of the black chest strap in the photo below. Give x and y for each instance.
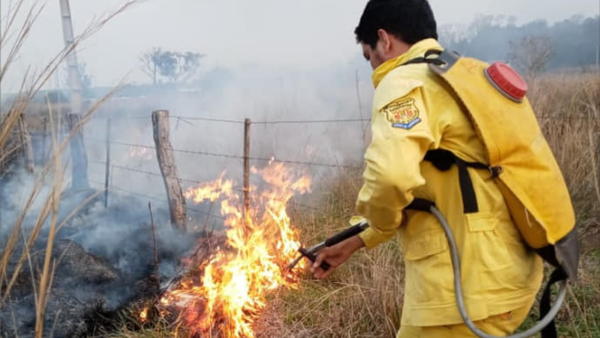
(443, 160)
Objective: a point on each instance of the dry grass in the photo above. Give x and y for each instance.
(569, 110)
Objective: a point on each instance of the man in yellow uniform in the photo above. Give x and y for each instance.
(414, 112)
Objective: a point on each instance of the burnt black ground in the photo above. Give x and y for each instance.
(104, 262)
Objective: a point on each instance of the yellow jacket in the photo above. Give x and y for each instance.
(413, 112)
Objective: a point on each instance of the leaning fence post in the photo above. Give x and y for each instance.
(107, 176)
(247, 124)
(78, 155)
(168, 168)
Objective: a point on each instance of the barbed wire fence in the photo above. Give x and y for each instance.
(113, 169)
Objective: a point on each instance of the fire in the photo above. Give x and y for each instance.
(232, 289)
(144, 315)
(211, 191)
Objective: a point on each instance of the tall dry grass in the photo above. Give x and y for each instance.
(16, 250)
(568, 107)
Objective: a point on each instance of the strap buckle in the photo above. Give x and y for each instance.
(496, 171)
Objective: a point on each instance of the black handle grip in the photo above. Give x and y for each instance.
(344, 235)
(312, 257)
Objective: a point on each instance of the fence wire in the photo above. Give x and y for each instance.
(231, 156)
(259, 122)
(150, 173)
(332, 120)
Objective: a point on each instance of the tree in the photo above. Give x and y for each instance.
(150, 61)
(179, 66)
(189, 63)
(173, 66)
(531, 54)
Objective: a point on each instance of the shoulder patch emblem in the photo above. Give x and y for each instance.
(402, 114)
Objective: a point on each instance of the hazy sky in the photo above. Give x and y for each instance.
(239, 33)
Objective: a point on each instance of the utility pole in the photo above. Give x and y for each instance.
(79, 160)
(73, 67)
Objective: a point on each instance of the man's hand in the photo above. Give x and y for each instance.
(335, 256)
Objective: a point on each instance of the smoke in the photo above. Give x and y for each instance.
(258, 94)
(103, 256)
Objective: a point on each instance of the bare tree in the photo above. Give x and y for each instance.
(531, 54)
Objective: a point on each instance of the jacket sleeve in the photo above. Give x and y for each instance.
(400, 140)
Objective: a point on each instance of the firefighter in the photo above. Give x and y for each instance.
(414, 112)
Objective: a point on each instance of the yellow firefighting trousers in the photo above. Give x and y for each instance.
(499, 325)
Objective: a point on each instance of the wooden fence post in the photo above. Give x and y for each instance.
(26, 148)
(78, 155)
(247, 124)
(107, 176)
(168, 168)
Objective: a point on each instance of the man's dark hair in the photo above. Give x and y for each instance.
(408, 20)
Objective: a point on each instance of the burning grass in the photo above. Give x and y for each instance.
(225, 292)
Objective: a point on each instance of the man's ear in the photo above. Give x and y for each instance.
(385, 40)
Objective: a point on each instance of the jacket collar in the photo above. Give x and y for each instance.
(418, 49)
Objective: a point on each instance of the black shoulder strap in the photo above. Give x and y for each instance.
(426, 59)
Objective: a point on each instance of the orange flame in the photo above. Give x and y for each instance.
(228, 297)
(144, 315)
(211, 191)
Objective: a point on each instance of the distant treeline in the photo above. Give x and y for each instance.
(574, 41)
